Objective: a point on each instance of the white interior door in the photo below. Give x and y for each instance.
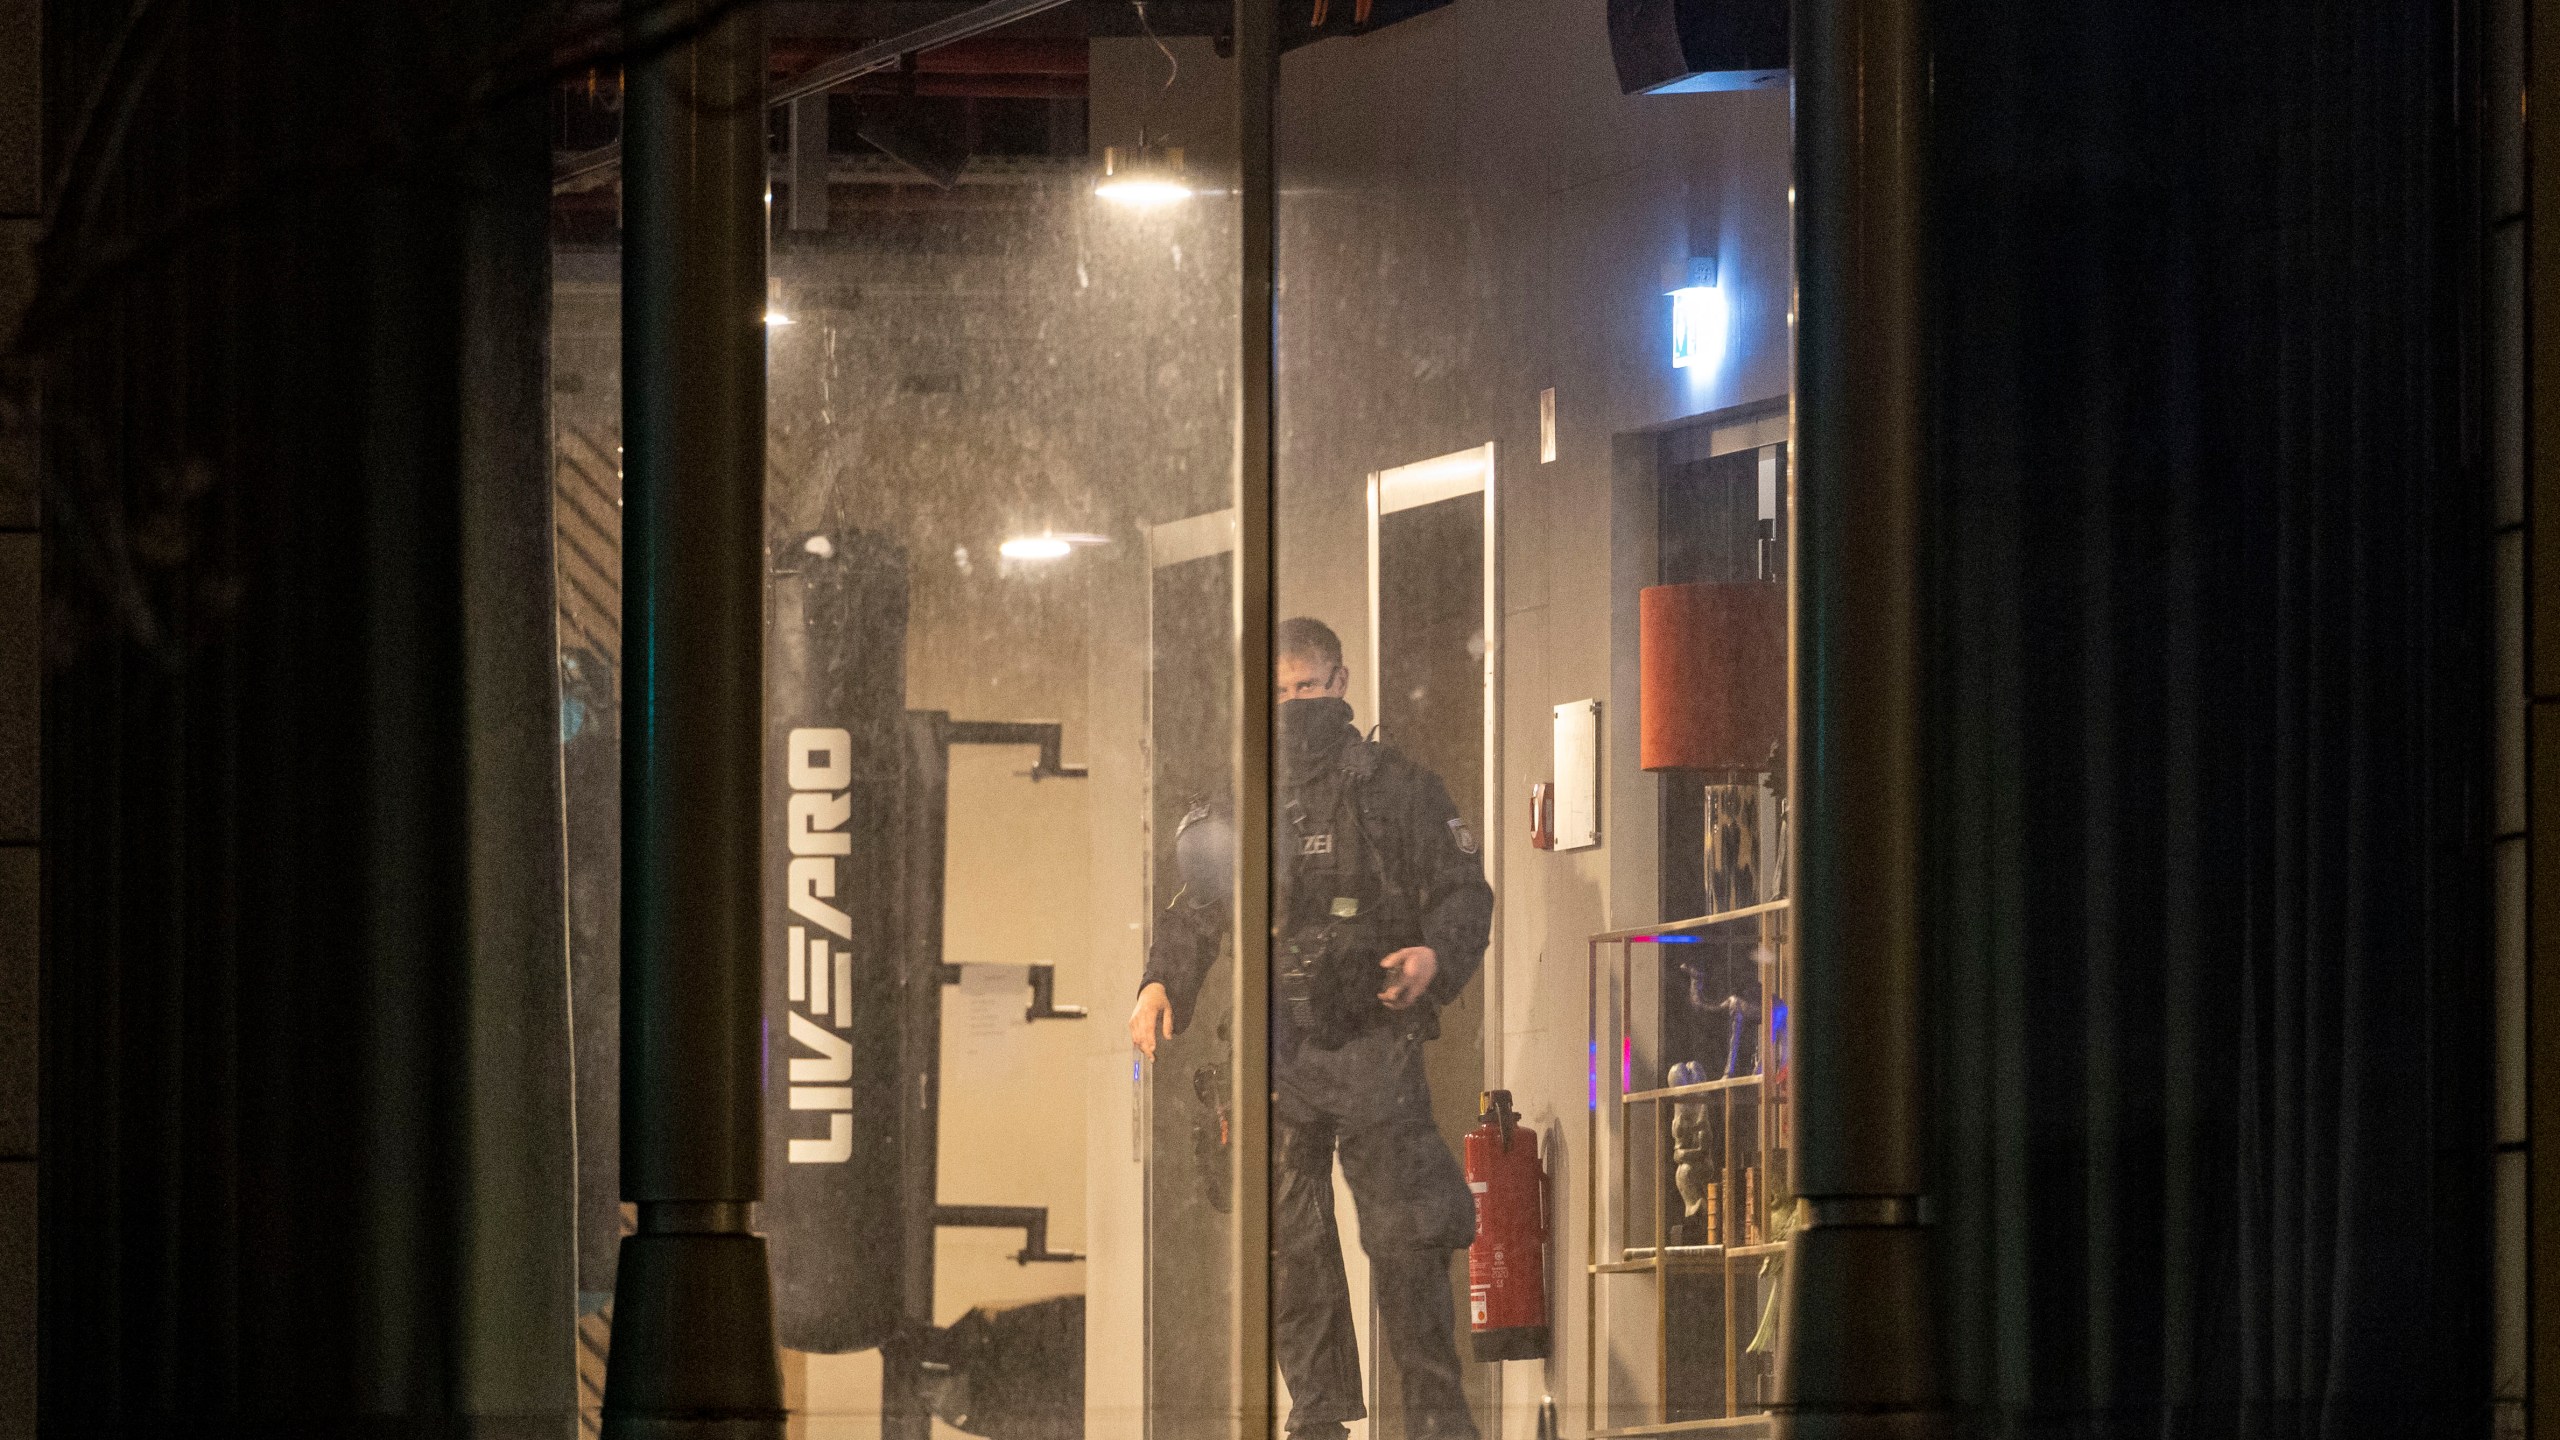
(1434, 677)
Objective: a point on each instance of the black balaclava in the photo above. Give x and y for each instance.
(1311, 730)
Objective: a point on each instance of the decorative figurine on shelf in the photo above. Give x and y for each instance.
(1742, 1034)
(1739, 1016)
(1691, 1168)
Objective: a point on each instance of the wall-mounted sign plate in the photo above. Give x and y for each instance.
(1577, 759)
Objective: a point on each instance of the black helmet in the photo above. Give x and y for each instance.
(1204, 851)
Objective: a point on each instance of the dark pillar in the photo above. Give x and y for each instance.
(1856, 1358)
(1257, 612)
(693, 1343)
(305, 1115)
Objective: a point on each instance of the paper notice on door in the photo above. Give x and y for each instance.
(992, 999)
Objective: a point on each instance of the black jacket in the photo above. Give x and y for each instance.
(1353, 816)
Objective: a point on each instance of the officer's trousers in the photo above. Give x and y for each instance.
(1367, 1099)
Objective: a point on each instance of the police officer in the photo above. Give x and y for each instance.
(1381, 917)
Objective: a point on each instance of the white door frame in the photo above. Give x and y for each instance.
(1404, 487)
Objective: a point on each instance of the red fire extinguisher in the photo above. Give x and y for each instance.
(1507, 1266)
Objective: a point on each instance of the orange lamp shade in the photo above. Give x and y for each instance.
(1712, 663)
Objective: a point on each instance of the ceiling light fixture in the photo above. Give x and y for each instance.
(1142, 179)
(1149, 176)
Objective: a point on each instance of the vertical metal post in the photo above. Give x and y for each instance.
(1857, 1357)
(693, 1339)
(1257, 87)
(1592, 1196)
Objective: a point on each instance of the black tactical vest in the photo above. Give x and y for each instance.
(1339, 909)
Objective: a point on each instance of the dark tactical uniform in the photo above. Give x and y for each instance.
(1373, 858)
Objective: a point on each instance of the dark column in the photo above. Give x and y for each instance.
(693, 1342)
(21, 576)
(304, 1109)
(1856, 1359)
(1257, 612)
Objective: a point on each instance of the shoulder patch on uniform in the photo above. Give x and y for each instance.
(1465, 837)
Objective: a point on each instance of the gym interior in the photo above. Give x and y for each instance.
(1533, 366)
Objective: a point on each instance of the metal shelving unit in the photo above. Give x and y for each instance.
(1637, 1222)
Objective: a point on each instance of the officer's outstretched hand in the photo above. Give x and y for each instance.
(1152, 1019)
(1412, 968)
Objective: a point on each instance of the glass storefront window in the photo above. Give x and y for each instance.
(1534, 341)
(999, 675)
(1529, 502)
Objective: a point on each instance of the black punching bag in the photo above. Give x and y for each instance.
(835, 698)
